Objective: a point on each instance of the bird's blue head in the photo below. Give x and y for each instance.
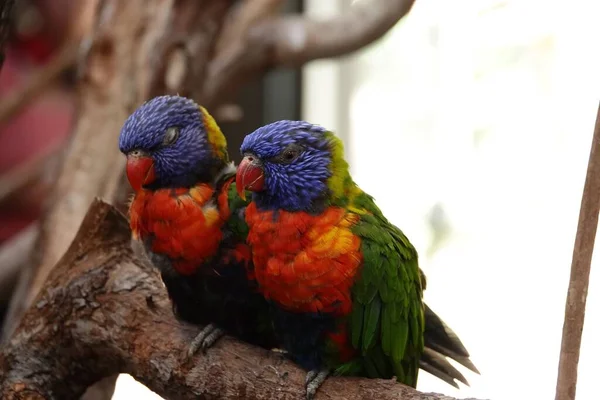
(170, 141)
(293, 166)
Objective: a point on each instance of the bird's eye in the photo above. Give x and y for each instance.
(171, 135)
(288, 155)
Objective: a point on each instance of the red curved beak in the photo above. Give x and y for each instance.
(140, 170)
(250, 176)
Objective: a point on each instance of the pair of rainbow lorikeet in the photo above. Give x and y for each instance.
(309, 264)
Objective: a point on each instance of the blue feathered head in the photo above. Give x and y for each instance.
(292, 165)
(170, 141)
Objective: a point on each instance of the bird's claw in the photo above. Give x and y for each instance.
(205, 339)
(314, 379)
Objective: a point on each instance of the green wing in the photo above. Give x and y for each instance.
(387, 320)
(237, 222)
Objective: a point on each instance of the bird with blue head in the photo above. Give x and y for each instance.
(189, 220)
(344, 283)
(171, 142)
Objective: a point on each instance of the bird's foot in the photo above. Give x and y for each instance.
(314, 379)
(205, 339)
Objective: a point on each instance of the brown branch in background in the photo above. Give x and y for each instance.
(6, 10)
(103, 311)
(299, 40)
(566, 384)
(294, 40)
(253, 39)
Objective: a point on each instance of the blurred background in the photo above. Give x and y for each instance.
(470, 123)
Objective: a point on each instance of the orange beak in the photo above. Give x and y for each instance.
(140, 170)
(250, 176)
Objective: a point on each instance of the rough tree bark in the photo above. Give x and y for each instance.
(103, 311)
(141, 48)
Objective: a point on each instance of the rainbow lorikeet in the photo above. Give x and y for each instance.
(190, 221)
(344, 283)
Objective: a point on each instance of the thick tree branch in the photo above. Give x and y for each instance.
(103, 311)
(299, 39)
(580, 274)
(270, 42)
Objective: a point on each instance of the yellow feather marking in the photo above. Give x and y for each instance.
(326, 240)
(211, 215)
(336, 240)
(198, 194)
(338, 166)
(340, 183)
(215, 136)
(351, 219)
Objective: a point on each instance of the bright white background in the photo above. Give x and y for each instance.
(471, 124)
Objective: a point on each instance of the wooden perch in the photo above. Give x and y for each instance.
(580, 273)
(103, 311)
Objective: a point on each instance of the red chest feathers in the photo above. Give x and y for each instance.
(305, 263)
(183, 224)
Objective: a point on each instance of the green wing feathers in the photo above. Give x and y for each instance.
(387, 320)
(236, 224)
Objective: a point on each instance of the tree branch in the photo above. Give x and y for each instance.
(294, 40)
(300, 39)
(103, 311)
(566, 384)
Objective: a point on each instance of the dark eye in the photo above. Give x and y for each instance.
(289, 154)
(171, 135)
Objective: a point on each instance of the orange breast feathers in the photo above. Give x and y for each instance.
(183, 224)
(303, 262)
